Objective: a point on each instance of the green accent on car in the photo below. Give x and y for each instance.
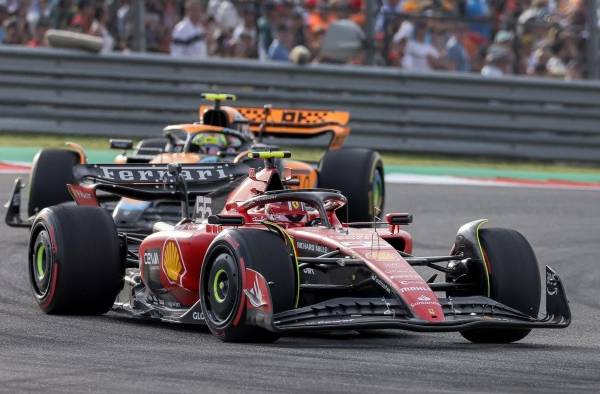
(485, 268)
(218, 285)
(40, 258)
(377, 189)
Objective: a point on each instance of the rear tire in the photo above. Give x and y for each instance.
(514, 281)
(221, 293)
(75, 260)
(52, 171)
(358, 174)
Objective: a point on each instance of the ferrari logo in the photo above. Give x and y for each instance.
(172, 264)
(295, 204)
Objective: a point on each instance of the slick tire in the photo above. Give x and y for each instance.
(358, 174)
(75, 260)
(514, 281)
(223, 300)
(52, 171)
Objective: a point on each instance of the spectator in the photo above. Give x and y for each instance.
(244, 35)
(299, 28)
(82, 21)
(62, 14)
(497, 63)
(11, 32)
(419, 55)
(188, 39)
(281, 45)
(99, 29)
(3, 17)
(39, 9)
(535, 37)
(322, 17)
(265, 25)
(387, 13)
(479, 10)
(38, 39)
(456, 54)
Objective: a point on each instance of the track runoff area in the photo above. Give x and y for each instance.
(116, 354)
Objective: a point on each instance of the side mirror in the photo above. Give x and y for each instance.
(396, 219)
(226, 220)
(121, 144)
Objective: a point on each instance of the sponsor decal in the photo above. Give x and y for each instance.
(309, 271)
(81, 194)
(382, 255)
(172, 263)
(310, 247)
(357, 244)
(408, 282)
(423, 297)
(203, 208)
(381, 283)
(145, 174)
(197, 316)
(255, 295)
(412, 305)
(414, 288)
(152, 257)
(411, 277)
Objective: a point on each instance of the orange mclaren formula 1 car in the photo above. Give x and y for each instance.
(223, 134)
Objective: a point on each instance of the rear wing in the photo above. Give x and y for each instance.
(153, 181)
(296, 123)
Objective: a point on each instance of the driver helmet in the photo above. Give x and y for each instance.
(210, 143)
(228, 117)
(287, 212)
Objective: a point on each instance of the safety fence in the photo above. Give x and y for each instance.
(58, 91)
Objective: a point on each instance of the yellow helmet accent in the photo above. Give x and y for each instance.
(270, 155)
(218, 96)
(210, 139)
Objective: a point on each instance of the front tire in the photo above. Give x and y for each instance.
(514, 281)
(75, 260)
(222, 295)
(358, 174)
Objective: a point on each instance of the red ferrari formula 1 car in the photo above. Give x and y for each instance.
(255, 260)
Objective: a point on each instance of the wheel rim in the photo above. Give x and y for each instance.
(221, 290)
(220, 286)
(377, 191)
(41, 265)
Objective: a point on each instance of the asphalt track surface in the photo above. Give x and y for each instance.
(116, 354)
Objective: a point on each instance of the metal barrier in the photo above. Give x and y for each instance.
(57, 91)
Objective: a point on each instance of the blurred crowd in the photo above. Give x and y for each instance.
(491, 37)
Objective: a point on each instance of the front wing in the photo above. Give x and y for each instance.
(461, 313)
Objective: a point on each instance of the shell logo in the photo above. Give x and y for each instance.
(172, 263)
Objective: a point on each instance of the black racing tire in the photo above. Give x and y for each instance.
(358, 174)
(74, 264)
(222, 297)
(52, 170)
(149, 146)
(514, 281)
